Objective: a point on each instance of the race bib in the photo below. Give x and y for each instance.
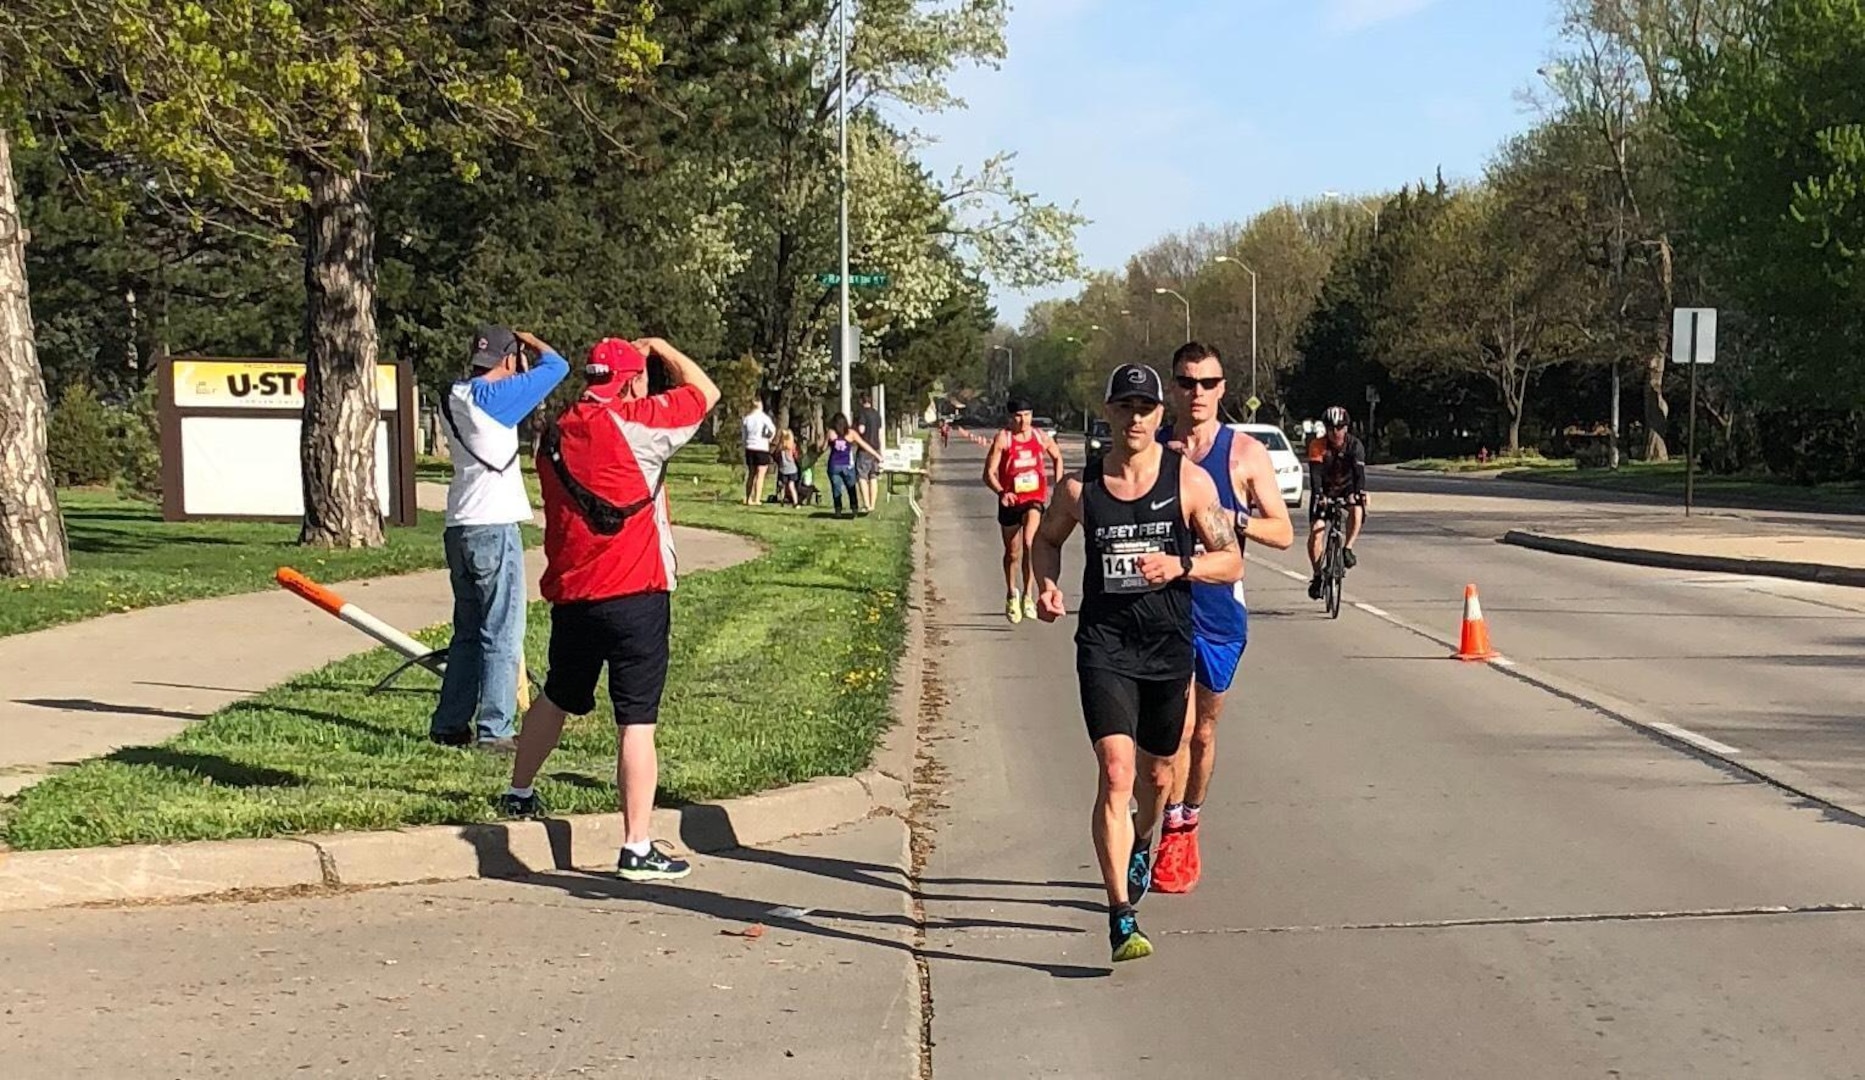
(1026, 482)
(1120, 566)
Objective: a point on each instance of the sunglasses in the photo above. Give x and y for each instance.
(1186, 382)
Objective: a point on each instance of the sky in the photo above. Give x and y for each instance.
(1156, 116)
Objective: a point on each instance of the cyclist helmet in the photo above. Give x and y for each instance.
(1335, 417)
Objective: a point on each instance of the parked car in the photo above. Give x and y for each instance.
(1045, 424)
(1291, 474)
(1099, 435)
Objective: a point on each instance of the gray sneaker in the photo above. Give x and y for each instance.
(498, 746)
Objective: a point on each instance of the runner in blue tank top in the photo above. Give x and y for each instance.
(1245, 479)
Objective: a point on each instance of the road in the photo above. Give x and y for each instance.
(1413, 868)
(1416, 867)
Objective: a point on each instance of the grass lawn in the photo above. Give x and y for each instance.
(1470, 464)
(1761, 492)
(782, 671)
(124, 556)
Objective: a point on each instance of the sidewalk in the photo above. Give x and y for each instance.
(1717, 545)
(134, 679)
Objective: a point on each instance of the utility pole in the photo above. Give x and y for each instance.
(841, 103)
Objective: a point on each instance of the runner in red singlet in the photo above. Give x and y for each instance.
(1022, 467)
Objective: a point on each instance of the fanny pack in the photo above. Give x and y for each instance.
(603, 517)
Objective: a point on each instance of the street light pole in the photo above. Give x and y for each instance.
(1163, 291)
(1010, 370)
(1369, 211)
(1246, 269)
(841, 103)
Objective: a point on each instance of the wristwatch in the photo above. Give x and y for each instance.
(1185, 564)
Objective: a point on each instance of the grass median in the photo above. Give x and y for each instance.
(782, 671)
(1742, 491)
(124, 557)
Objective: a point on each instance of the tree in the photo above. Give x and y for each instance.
(1488, 295)
(32, 532)
(289, 111)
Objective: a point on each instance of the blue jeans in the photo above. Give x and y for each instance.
(843, 480)
(479, 693)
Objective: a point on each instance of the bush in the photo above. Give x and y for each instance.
(78, 439)
(1594, 455)
(1813, 446)
(139, 449)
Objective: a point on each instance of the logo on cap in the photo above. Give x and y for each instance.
(1136, 376)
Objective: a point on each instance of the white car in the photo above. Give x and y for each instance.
(1291, 474)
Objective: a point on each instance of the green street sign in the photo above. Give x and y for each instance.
(875, 281)
(1253, 404)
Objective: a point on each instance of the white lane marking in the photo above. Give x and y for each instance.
(1503, 661)
(1694, 739)
(1371, 610)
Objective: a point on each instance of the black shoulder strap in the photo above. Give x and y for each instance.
(604, 517)
(459, 440)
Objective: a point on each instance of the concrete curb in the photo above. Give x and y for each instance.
(38, 880)
(1670, 560)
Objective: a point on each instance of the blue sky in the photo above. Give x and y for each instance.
(1158, 116)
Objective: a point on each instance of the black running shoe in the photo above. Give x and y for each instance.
(1124, 935)
(656, 865)
(520, 806)
(450, 738)
(1314, 587)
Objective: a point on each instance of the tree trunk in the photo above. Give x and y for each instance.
(1657, 412)
(338, 444)
(32, 532)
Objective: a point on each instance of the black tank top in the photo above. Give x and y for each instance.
(1126, 625)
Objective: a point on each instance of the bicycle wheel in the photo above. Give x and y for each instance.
(1336, 571)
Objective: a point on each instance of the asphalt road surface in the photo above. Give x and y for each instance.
(1416, 867)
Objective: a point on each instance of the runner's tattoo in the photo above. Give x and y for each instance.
(1220, 534)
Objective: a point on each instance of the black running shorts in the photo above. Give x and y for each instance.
(1151, 712)
(628, 634)
(1011, 517)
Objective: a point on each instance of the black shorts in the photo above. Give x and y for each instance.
(1151, 712)
(1011, 517)
(629, 635)
(758, 459)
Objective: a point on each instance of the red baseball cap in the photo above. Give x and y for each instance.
(615, 357)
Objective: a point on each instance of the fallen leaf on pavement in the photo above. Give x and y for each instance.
(754, 932)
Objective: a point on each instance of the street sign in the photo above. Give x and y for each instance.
(1693, 336)
(1253, 404)
(853, 347)
(874, 281)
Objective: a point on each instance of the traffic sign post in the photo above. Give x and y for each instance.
(1253, 404)
(1372, 410)
(1693, 342)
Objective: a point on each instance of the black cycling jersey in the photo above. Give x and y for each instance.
(1340, 472)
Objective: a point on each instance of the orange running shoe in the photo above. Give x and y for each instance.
(1190, 868)
(1169, 867)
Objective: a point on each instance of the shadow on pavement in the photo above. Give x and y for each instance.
(88, 705)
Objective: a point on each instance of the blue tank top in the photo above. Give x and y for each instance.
(841, 454)
(1218, 611)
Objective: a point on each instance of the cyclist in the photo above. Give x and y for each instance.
(1339, 474)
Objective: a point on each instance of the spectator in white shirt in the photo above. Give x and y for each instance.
(759, 431)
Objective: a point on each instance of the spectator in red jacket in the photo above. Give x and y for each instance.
(609, 574)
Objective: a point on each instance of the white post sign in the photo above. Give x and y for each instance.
(1693, 336)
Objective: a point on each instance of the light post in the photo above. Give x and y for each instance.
(1010, 371)
(1239, 263)
(1146, 324)
(1369, 211)
(1163, 291)
(841, 108)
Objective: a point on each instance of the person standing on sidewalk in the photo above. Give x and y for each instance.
(1142, 514)
(758, 432)
(486, 502)
(867, 454)
(609, 575)
(1245, 477)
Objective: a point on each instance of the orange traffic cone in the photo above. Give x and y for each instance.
(1476, 632)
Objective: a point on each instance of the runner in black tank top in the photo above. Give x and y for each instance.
(1128, 626)
(1142, 512)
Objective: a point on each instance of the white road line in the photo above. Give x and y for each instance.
(1694, 739)
(1371, 610)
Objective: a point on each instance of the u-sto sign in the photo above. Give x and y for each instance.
(230, 439)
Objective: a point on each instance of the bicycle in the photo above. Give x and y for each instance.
(1333, 557)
